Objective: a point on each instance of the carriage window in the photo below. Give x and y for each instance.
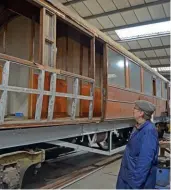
(116, 69)
(135, 81)
(164, 89)
(158, 87)
(148, 88)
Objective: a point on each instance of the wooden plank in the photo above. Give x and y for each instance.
(46, 68)
(41, 37)
(127, 73)
(4, 37)
(142, 79)
(115, 93)
(92, 68)
(105, 81)
(117, 110)
(31, 58)
(45, 123)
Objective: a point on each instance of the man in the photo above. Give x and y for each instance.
(139, 163)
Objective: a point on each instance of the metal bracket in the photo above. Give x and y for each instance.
(89, 149)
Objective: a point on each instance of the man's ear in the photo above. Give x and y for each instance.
(142, 114)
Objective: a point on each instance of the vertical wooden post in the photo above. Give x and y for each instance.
(81, 70)
(105, 81)
(41, 35)
(92, 68)
(4, 37)
(31, 58)
(92, 71)
(142, 79)
(3, 98)
(127, 73)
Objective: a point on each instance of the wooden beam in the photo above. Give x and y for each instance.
(142, 80)
(150, 48)
(72, 2)
(127, 73)
(41, 41)
(92, 68)
(81, 71)
(105, 82)
(31, 73)
(158, 66)
(4, 37)
(155, 58)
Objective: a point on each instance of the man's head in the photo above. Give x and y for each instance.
(143, 110)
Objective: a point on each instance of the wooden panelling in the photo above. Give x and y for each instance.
(61, 53)
(115, 93)
(99, 59)
(60, 108)
(0, 75)
(121, 95)
(119, 110)
(84, 104)
(127, 73)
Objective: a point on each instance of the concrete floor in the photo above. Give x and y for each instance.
(105, 178)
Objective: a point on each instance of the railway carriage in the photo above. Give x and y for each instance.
(63, 83)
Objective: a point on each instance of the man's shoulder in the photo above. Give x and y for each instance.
(151, 128)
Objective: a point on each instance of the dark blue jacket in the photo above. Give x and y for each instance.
(139, 164)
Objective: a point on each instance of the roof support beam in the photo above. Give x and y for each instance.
(136, 24)
(150, 48)
(144, 37)
(72, 2)
(158, 66)
(126, 9)
(155, 58)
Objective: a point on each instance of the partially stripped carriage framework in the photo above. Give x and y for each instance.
(62, 79)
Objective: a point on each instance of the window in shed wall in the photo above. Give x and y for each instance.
(116, 69)
(164, 89)
(158, 87)
(148, 88)
(135, 80)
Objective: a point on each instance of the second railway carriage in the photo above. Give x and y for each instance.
(64, 83)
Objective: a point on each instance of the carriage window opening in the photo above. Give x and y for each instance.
(164, 89)
(135, 80)
(116, 69)
(148, 89)
(154, 87)
(158, 86)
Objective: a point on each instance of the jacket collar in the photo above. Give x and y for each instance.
(139, 129)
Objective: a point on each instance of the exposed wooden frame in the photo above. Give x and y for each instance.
(31, 58)
(46, 68)
(142, 80)
(81, 71)
(41, 41)
(104, 81)
(127, 73)
(63, 12)
(4, 37)
(92, 64)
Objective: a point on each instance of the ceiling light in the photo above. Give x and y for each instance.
(144, 31)
(162, 69)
